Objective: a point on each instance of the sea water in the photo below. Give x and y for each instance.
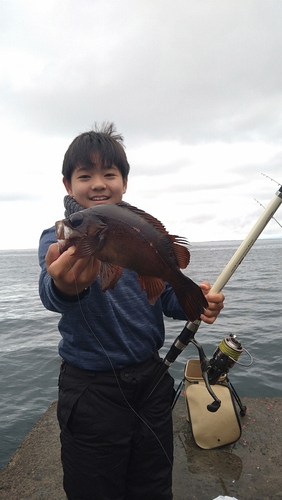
(29, 362)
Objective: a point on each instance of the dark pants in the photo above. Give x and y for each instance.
(111, 450)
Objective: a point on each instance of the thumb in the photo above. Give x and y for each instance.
(205, 287)
(52, 254)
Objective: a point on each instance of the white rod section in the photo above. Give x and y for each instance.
(242, 251)
(248, 242)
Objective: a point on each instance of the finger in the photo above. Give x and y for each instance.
(53, 253)
(208, 319)
(215, 298)
(83, 268)
(88, 270)
(69, 261)
(63, 266)
(205, 287)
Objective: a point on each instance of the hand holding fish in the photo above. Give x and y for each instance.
(71, 275)
(215, 303)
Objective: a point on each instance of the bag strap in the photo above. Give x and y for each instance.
(177, 393)
(243, 408)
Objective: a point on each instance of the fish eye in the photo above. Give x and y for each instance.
(76, 219)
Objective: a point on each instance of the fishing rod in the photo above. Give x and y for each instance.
(229, 349)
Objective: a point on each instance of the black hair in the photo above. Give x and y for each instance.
(104, 141)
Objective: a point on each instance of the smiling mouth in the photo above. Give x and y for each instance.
(99, 198)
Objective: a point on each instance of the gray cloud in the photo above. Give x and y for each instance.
(192, 71)
(13, 197)
(175, 76)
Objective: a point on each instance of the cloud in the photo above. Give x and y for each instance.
(12, 197)
(195, 87)
(189, 71)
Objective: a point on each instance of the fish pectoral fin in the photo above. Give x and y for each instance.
(83, 248)
(153, 286)
(180, 250)
(92, 242)
(109, 275)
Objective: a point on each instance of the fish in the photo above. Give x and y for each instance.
(123, 236)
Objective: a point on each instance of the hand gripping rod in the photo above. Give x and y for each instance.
(191, 327)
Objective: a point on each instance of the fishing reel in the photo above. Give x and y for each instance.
(224, 358)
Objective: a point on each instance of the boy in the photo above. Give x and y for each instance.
(111, 448)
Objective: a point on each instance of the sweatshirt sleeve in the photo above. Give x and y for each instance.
(47, 291)
(170, 305)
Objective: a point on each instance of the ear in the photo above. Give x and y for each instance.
(67, 185)
(124, 185)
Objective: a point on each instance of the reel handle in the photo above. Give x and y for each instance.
(213, 407)
(205, 366)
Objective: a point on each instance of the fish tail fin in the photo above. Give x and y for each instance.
(191, 298)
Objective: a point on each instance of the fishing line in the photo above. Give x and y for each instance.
(114, 371)
(263, 289)
(187, 334)
(234, 354)
(273, 180)
(272, 217)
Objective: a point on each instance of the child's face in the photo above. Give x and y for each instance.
(96, 186)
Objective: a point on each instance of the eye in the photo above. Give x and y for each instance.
(84, 176)
(76, 219)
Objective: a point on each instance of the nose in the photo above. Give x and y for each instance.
(98, 183)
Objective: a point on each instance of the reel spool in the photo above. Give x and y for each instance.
(224, 357)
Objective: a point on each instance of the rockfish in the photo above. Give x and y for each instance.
(123, 236)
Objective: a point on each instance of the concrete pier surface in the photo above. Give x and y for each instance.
(250, 469)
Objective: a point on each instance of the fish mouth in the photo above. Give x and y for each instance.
(62, 245)
(63, 232)
(64, 236)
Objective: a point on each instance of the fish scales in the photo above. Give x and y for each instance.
(123, 236)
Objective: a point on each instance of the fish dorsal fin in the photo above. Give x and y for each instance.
(109, 275)
(179, 244)
(154, 287)
(149, 218)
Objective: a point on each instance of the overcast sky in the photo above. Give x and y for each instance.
(194, 86)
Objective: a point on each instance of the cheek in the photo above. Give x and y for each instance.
(80, 190)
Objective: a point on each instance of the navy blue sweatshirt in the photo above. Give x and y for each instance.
(115, 329)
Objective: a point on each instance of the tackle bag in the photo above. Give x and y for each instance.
(210, 429)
